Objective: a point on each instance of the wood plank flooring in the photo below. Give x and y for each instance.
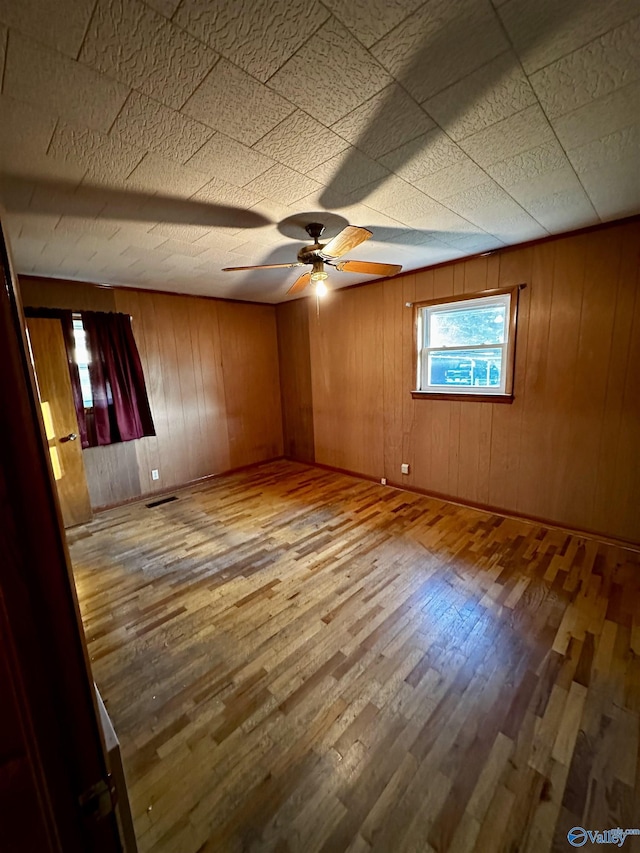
(295, 660)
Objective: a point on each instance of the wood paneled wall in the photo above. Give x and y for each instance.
(211, 369)
(295, 380)
(566, 450)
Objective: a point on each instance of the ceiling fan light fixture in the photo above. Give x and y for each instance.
(319, 273)
(321, 288)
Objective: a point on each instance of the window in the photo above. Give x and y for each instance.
(466, 346)
(83, 358)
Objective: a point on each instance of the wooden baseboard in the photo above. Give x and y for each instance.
(493, 510)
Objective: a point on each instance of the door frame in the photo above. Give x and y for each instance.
(40, 619)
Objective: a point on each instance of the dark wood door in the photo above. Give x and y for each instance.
(52, 758)
(59, 418)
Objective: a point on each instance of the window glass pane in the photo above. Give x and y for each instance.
(467, 326)
(465, 368)
(83, 358)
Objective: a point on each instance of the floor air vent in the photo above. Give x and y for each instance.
(161, 501)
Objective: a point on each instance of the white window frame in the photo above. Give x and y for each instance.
(424, 310)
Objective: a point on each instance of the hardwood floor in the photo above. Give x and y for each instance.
(295, 660)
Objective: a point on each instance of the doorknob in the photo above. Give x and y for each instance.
(71, 437)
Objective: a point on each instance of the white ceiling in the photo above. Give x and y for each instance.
(153, 143)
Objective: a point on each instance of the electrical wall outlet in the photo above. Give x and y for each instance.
(383, 481)
(155, 474)
(405, 467)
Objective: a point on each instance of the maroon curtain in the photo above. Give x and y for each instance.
(121, 409)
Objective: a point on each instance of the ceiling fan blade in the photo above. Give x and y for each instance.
(300, 283)
(368, 268)
(347, 239)
(263, 267)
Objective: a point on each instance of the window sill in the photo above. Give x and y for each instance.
(474, 398)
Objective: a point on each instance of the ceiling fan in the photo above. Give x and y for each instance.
(320, 254)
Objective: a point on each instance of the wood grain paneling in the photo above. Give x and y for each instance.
(295, 379)
(566, 450)
(249, 348)
(211, 369)
(346, 333)
(41, 292)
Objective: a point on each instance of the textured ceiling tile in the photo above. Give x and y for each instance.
(507, 138)
(384, 227)
(335, 65)
(148, 124)
(354, 168)
(512, 227)
(73, 224)
(491, 94)
(24, 249)
(40, 226)
(131, 42)
(55, 200)
(486, 195)
(599, 118)
(421, 213)
(262, 38)
(561, 179)
(61, 24)
(420, 157)
(99, 154)
(611, 192)
(15, 193)
(157, 174)
(546, 30)
(384, 122)
(232, 101)
(40, 167)
(604, 65)
(215, 244)
(441, 43)
(178, 247)
(301, 142)
(596, 156)
(283, 185)
(273, 211)
(133, 233)
(492, 209)
(25, 131)
(454, 179)
(370, 20)
(556, 201)
(142, 253)
(220, 192)
(182, 233)
(390, 192)
(165, 7)
(222, 157)
(60, 85)
(529, 165)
